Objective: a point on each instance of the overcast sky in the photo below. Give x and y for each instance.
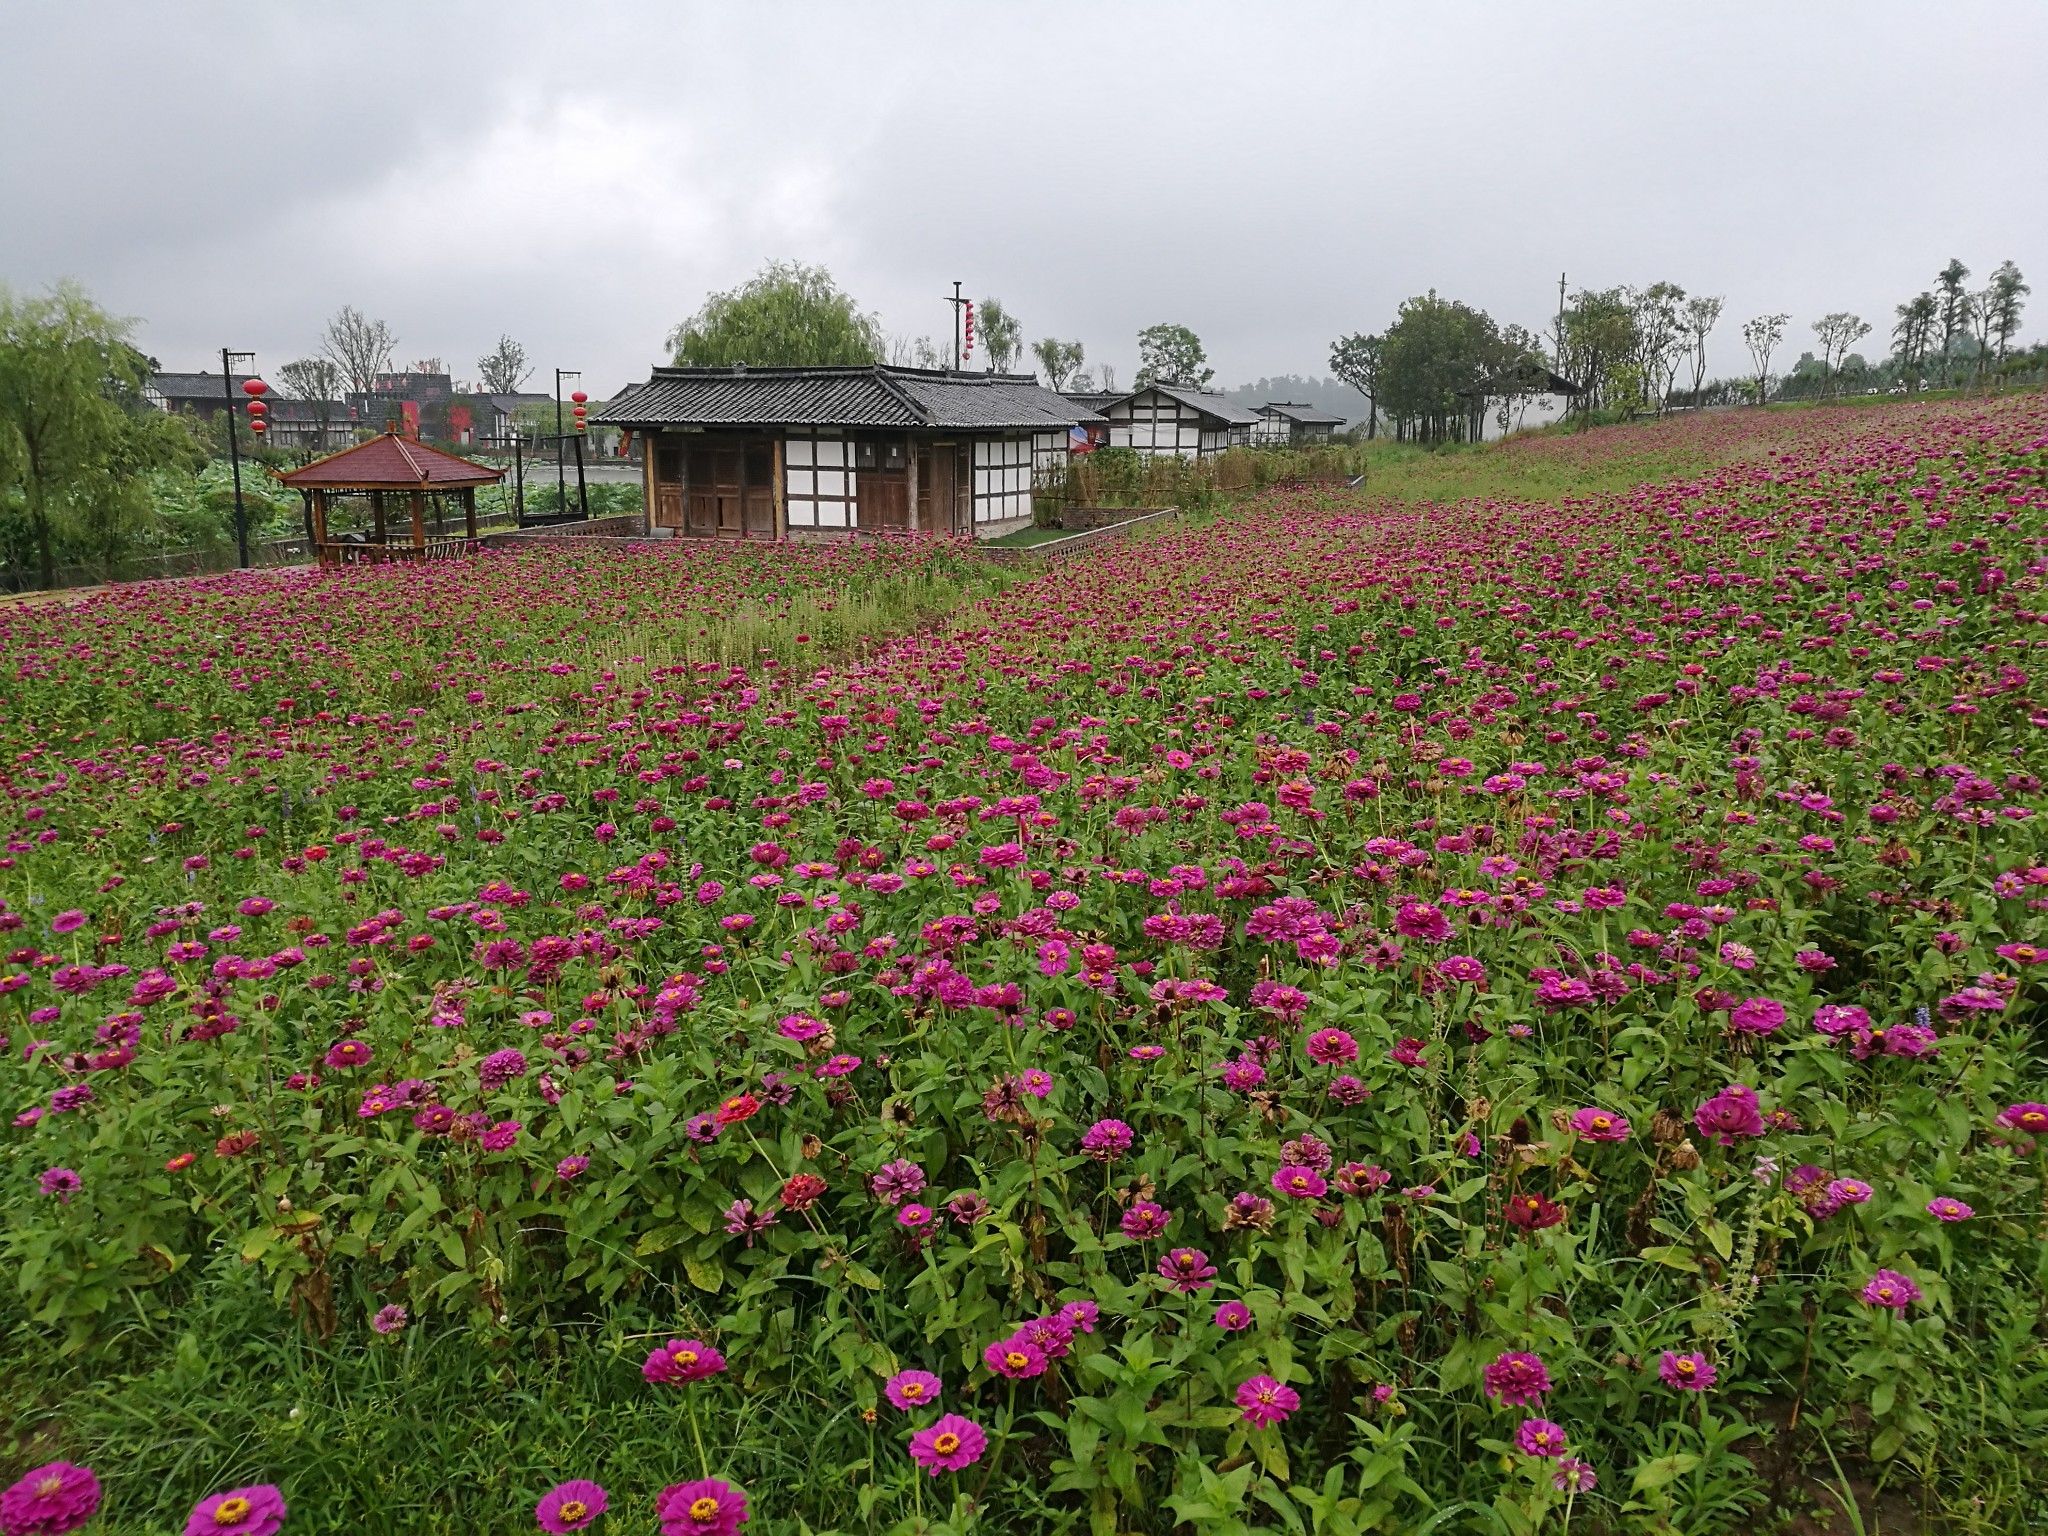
(1270, 174)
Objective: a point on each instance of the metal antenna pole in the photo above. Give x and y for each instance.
(956, 327)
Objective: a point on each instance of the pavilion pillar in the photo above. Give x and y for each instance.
(319, 520)
(419, 519)
(377, 514)
(469, 511)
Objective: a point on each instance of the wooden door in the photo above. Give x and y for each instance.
(668, 488)
(757, 491)
(939, 479)
(882, 486)
(701, 494)
(726, 475)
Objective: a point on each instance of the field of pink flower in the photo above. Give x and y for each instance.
(1349, 1016)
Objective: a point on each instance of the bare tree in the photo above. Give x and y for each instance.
(1702, 314)
(1762, 336)
(316, 380)
(360, 347)
(1837, 333)
(503, 369)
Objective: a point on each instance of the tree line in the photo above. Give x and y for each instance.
(1438, 370)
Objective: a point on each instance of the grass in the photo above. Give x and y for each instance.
(1024, 538)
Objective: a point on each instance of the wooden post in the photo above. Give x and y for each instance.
(781, 491)
(377, 514)
(469, 511)
(319, 522)
(419, 519)
(649, 495)
(910, 478)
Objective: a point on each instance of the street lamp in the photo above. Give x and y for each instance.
(228, 359)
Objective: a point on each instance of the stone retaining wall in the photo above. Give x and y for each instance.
(1073, 543)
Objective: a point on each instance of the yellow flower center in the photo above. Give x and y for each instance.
(573, 1510)
(1601, 1122)
(686, 1357)
(946, 1444)
(913, 1390)
(231, 1511)
(1016, 1360)
(1686, 1367)
(704, 1509)
(1298, 1182)
(1265, 1394)
(49, 1487)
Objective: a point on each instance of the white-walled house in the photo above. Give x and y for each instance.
(1286, 424)
(1171, 418)
(774, 453)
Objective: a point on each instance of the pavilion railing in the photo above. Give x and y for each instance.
(350, 554)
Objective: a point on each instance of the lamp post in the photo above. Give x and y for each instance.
(582, 490)
(228, 359)
(561, 469)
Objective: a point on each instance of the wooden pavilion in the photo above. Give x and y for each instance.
(386, 466)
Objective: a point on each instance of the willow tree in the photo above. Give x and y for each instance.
(785, 315)
(76, 437)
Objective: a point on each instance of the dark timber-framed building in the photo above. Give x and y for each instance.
(776, 453)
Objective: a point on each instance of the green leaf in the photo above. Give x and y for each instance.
(705, 1274)
(1662, 1470)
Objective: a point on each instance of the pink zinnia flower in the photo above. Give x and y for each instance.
(912, 1389)
(1107, 1140)
(1730, 1114)
(1889, 1288)
(569, 1506)
(1756, 1016)
(1189, 1269)
(1942, 1208)
(255, 1511)
(1685, 1373)
(1266, 1401)
(949, 1445)
(1015, 1358)
(1300, 1182)
(1539, 1437)
(1517, 1379)
(1600, 1125)
(51, 1500)
(1145, 1220)
(707, 1507)
(1331, 1047)
(1233, 1317)
(682, 1360)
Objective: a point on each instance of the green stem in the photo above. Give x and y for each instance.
(697, 1435)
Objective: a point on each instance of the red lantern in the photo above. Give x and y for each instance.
(254, 387)
(258, 409)
(579, 397)
(259, 426)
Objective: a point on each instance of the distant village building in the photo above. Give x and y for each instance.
(415, 404)
(1174, 419)
(315, 424)
(1288, 424)
(774, 453)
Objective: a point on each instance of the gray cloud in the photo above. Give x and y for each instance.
(1270, 174)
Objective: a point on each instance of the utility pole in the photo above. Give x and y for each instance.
(227, 388)
(956, 301)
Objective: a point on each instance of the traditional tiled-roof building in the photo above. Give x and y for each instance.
(770, 453)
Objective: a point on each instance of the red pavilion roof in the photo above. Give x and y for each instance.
(390, 463)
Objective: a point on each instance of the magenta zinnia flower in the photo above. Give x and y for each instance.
(1107, 1140)
(255, 1511)
(1015, 1358)
(1189, 1269)
(707, 1507)
(1233, 1317)
(49, 1501)
(1517, 1379)
(1331, 1047)
(1730, 1114)
(1600, 1125)
(949, 1445)
(569, 1506)
(61, 1182)
(681, 1360)
(1539, 1437)
(1889, 1288)
(1685, 1373)
(912, 1389)
(1943, 1208)
(1266, 1401)
(1145, 1220)
(1300, 1182)
(388, 1318)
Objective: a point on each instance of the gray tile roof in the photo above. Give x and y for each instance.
(873, 396)
(1201, 400)
(195, 386)
(1307, 415)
